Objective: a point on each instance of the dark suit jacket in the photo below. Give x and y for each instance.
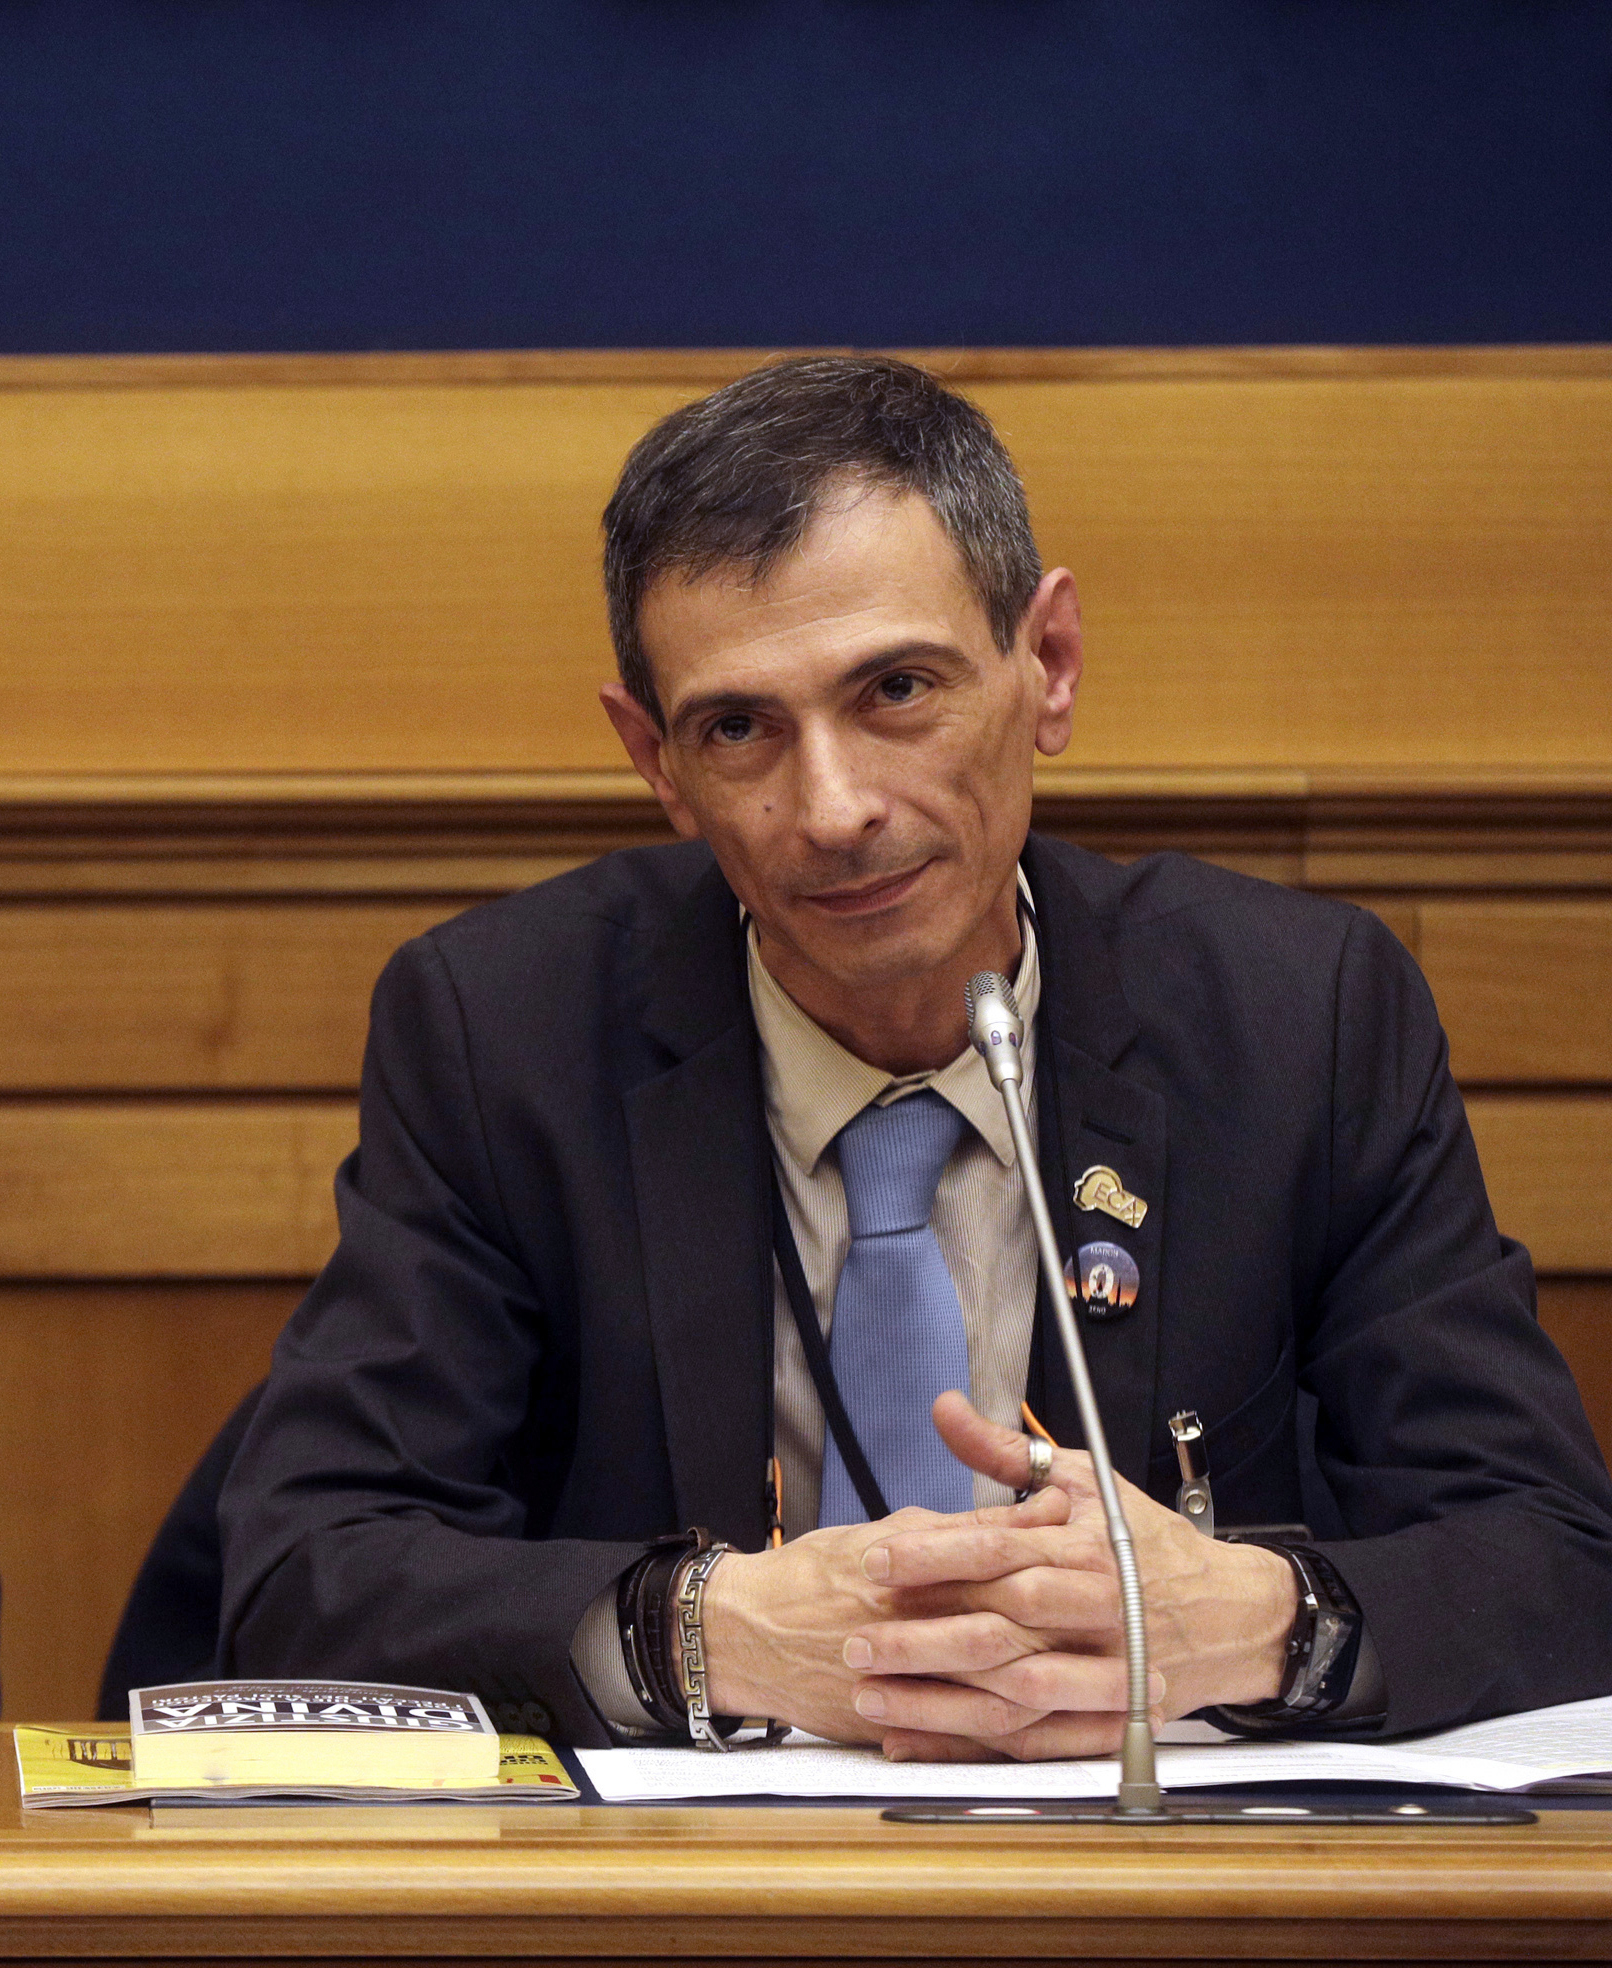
(545, 1337)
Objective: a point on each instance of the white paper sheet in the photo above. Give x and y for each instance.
(1506, 1754)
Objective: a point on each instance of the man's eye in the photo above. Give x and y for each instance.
(899, 688)
(733, 729)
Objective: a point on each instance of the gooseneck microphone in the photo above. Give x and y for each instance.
(997, 1033)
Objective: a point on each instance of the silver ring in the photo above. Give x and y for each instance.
(1040, 1462)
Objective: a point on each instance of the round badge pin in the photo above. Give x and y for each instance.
(1107, 1281)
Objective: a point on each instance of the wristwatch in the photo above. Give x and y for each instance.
(1321, 1648)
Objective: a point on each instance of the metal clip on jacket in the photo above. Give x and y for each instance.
(1194, 1500)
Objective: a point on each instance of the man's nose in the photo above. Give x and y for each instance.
(838, 804)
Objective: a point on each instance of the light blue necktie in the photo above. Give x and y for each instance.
(897, 1339)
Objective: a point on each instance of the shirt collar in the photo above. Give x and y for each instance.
(814, 1086)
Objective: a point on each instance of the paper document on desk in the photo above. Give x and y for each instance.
(1569, 1747)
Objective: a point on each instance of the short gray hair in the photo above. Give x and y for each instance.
(736, 479)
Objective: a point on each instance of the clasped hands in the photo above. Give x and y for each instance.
(993, 1633)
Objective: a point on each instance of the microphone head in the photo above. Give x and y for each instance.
(995, 1029)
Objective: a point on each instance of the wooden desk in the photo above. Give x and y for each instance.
(561, 1883)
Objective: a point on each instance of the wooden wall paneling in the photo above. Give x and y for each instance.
(1433, 829)
(260, 995)
(1577, 1313)
(169, 1189)
(268, 994)
(306, 578)
(707, 368)
(389, 570)
(154, 1189)
(1373, 836)
(1524, 988)
(436, 838)
(1328, 574)
(111, 1392)
(1547, 1159)
(298, 656)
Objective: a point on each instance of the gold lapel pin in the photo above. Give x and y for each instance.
(1101, 1189)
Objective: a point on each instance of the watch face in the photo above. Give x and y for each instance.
(1333, 1618)
(1332, 1630)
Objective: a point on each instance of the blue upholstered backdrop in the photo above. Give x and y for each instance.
(338, 174)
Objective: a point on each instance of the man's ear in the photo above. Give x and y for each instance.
(642, 736)
(1052, 625)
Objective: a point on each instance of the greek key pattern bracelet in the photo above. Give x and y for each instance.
(689, 1600)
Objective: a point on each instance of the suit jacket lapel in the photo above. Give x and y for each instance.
(700, 1156)
(1090, 1114)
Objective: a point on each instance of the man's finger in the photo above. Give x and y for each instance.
(967, 1643)
(1049, 1506)
(940, 1707)
(1053, 1682)
(1064, 1606)
(918, 1746)
(1053, 1737)
(968, 1550)
(983, 1445)
(1004, 1453)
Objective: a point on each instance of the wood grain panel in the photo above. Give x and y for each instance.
(1329, 573)
(298, 655)
(1297, 568)
(108, 1394)
(1548, 1162)
(158, 1189)
(242, 1188)
(1524, 988)
(273, 995)
(1375, 834)
(308, 578)
(1577, 1313)
(266, 995)
(478, 368)
(702, 1885)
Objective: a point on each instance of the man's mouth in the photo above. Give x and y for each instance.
(867, 898)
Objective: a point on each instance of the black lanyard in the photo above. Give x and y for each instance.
(813, 1345)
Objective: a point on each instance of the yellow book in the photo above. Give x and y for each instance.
(319, 1735)
(100, 1763)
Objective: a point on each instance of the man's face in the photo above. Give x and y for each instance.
(852, 743)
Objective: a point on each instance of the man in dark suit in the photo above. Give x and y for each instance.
(626, 1140)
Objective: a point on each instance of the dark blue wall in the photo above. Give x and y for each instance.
(341, 174)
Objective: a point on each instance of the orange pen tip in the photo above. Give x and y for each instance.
(1032, 1424)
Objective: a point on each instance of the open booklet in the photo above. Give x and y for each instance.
(91, 1764)
(1567, 1749)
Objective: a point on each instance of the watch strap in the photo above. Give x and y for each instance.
(1322, 1647)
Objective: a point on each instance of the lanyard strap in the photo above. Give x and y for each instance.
(804, 1314)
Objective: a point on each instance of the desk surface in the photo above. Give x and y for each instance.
(710, 1884)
